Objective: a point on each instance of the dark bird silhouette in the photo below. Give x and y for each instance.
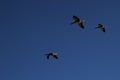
(100, 26)
(78, 21)
(53, 54)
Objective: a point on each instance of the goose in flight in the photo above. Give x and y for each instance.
(100, 26)
(53, 54)
(78, 21)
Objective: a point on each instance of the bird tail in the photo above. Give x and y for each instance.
(96, 27)
(72, 22)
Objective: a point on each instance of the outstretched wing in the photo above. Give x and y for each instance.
(75, 18)
(81, 25)
(100, 25)
(47, 56)
(103, 29)
(55, 56)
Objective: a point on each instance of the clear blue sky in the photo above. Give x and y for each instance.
(31, 28)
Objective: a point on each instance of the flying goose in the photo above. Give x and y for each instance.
(100, 26)
(78, 21)
(53, 54)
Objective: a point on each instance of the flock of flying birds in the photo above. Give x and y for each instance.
(80, 23)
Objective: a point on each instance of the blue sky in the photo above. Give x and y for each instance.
(31, 28)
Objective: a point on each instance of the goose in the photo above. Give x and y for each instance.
(53, 54)
(100, 26)
(78, 21)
